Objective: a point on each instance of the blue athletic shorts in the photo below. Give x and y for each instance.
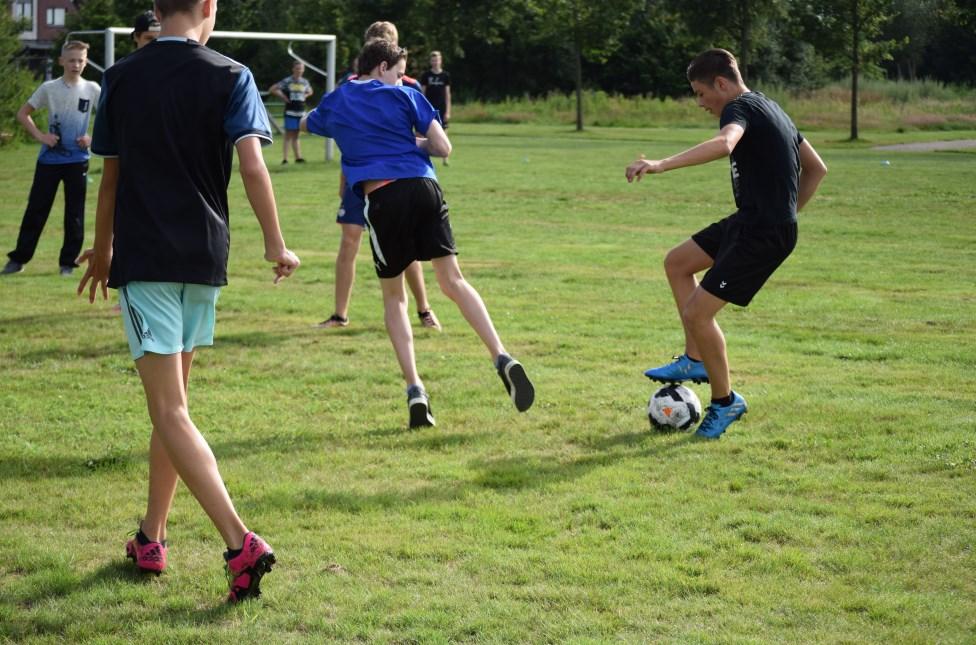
(167, 317)
(292, 122)
(351, 210)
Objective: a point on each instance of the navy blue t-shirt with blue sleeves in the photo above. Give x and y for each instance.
(766, 161)
(171, 113)
(374, 125)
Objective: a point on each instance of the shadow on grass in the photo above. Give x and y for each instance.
(114, 574)
(68, 352)
(58, 466)
(503, 474)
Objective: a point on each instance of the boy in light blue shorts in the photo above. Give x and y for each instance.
(162, 237)
(167, 317)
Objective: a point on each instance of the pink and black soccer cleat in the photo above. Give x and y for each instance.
(245, 570)
(150, 556)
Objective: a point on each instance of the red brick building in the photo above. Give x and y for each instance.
(45, 20)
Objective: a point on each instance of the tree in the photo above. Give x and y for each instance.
(591, 30)
(16, 82)
(851, 30)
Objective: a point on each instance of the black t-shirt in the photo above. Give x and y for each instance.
(435, 88)
(766, 161)
(171, 113)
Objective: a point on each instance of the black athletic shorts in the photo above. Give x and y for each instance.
(745, 255)
(407, 220)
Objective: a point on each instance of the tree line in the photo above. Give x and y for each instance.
(511, 48)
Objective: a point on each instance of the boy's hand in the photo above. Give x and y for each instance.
(96, 271)
(49, 139)
(642, 167)
(84, 141)
(285, 263)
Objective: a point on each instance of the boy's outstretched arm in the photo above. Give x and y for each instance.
(721, 145)
(99, 257)
(260, 194)
(812, 172)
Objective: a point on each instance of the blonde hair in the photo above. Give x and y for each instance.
(74, 44)
(383, 30)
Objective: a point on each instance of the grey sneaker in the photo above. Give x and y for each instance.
(516, 382)
(419, 404)
(429, 320)
(66, 271)
(12, 267)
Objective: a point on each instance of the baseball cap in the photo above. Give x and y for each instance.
(145, 22)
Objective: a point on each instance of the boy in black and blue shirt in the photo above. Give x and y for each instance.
(162, 238)
(775, 172)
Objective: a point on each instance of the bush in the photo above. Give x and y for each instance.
(16, 84)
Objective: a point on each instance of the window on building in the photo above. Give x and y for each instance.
(55, 17)
(24, 10)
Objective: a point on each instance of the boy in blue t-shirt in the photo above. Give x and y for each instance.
(162, 239)
(373, 120)
(775, 172)
(63, 158)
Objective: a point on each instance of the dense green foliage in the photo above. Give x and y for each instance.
(842, 509)
(16, 84)
(513, 48)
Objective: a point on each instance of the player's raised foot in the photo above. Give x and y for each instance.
(149, 556)
(680, 369)
(429, 320)
(12, 267)
(516, 382)
(718, 418)
(245, 569)
(419, 404)
(335, 320)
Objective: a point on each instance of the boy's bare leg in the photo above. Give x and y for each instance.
(398, 326)
(352, 235)
(295, 146)
(415, 280)
(189, 453)
(698, 317)
(469, 302)
(284, 149)
(162, 475)
(680, 265)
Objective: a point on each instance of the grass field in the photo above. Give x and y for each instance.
(842, 509)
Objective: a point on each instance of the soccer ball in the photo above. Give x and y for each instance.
(674, 407)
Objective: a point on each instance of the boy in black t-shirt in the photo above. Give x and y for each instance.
(162, 238)
(436, 84)
(775, 172)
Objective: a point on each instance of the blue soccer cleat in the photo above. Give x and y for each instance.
(718, 418)
(681, 369)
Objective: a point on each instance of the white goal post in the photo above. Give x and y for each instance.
(330, 58)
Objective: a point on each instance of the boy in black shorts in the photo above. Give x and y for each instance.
(374, 121)
(775, 172)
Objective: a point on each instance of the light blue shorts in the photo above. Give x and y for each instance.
(167, 317)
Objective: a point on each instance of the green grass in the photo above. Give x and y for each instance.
(841, 509)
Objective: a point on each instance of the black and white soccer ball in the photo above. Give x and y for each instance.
(674, 407)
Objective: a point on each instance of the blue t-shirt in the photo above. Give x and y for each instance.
(374, 125)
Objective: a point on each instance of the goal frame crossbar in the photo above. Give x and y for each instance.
(110, 34)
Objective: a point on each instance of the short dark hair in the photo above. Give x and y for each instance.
(713, 63)
(169, 7)
(378, 51)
